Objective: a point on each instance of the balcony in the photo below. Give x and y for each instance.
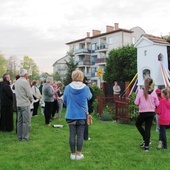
(100, 61)
(102, 47)
(82, 51)
(84, 62)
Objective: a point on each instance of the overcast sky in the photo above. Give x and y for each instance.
(40, 28)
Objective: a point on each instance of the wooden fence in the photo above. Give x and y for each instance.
(120, 107)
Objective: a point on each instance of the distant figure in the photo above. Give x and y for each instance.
(6, 94)
(37, 96)
(14, 99)
(163, 112)
(116, 90)
(60, 98)
(48, 92)
(24, 98)
(42, 103)
(55, 104)
(147, 101)
(158, 92)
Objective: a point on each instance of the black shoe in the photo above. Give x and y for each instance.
(142, 145)
(146, 148)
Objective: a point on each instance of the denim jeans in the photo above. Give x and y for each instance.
(76, 131)
(24, 122)
(162, 135)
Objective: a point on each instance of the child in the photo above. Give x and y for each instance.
(163, 112)
(158, 92)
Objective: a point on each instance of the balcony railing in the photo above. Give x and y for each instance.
(84, 62)
(84, 50)
(102, 46)
(100, 60)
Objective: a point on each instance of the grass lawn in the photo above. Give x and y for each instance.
(112, 146)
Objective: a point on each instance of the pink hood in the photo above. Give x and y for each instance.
(164, 112)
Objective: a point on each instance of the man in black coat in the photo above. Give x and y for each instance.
(6, 96)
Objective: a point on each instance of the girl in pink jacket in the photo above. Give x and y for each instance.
(147, 101)
(163, 112)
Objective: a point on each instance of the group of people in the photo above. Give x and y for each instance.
(24, 98)
(150, 103)
(77, 97)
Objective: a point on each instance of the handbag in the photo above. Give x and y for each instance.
(89, 120)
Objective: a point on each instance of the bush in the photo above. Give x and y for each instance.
(97, 91)
(106, 117)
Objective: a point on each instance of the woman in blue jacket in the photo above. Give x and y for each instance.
(75, 98)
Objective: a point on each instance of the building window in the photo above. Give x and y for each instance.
(146, 73)
(133, 40)
(145, 53)
(110, 40)
(93, 46)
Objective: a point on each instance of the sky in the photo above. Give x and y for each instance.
(40, 29)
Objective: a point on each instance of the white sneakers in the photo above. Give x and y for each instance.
(72, 156)
(76, 157)
(160, 145)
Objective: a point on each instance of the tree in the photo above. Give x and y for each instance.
(167, 39)
(121, 65)
(71, 66)
(57, 76)
(11, 66)
(29, 64)
(2, 65)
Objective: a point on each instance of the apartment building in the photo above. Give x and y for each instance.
(91, 52)
(61, 67)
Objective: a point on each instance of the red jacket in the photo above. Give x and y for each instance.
(164, 112)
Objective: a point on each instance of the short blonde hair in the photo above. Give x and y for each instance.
(77, 75)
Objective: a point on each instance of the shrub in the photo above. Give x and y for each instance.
(97, 91)
(106, 117)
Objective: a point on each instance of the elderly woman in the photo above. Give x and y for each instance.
(48, 92)
(75, 98)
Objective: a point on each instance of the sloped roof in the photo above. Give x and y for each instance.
(100, 35)
(156, 39)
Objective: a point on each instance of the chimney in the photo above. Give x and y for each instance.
(96, 32)
(109, 28)
(116, 26)
(88, 34)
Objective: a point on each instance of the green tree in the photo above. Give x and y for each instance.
(71, 66)
(2, 65)
(121, 65)
(57, 76)
(29, 64)
(168, 39)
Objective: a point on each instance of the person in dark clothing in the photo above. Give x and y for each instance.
(14, 100)
(6, 120)
(90, 110)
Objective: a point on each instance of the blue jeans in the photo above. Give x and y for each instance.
(76, 131)
(24, 122)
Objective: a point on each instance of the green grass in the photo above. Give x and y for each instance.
(112, 146)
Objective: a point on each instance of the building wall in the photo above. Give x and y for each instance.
(147, 54)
